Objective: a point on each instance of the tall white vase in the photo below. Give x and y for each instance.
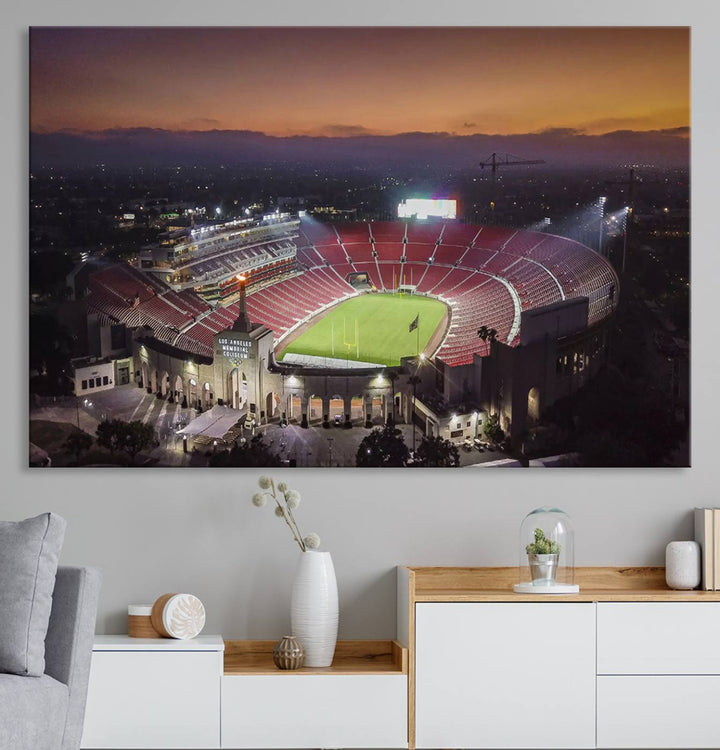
(314, 607)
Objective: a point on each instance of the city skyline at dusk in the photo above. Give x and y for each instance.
(334, 82)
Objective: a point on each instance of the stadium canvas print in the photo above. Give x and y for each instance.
(307, 247)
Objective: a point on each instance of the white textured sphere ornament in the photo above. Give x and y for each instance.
(314, 607)
(682, 565)
(179, 616)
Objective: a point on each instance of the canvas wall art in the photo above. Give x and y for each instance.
(374, 247)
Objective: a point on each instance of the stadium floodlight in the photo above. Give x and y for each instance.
(601, 205)
(628, 212)
(218, 210)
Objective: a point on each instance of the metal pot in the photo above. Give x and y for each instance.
(543, 568)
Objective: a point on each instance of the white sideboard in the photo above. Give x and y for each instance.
(626, 663)
(205, 693)
(154, 693)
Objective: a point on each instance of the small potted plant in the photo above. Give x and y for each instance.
(543, 555)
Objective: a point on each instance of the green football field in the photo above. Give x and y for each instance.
(372, 328)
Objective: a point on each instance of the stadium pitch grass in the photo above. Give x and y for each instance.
(372, 328)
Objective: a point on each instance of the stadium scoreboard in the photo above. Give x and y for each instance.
(425, 208)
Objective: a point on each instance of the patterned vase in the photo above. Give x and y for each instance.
(288, 653)
(314, 607)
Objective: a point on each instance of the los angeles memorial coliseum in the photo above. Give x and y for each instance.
(290, 318)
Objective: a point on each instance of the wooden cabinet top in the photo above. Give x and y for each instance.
(351, 658)
(597, 584)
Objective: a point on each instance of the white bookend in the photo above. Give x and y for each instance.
(704, 533)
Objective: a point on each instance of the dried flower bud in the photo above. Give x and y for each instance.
(258, 499)
(279, 512)
(264, 482)
(282, 486)
(292, 498)
(312, 540)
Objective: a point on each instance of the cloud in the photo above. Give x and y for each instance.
(560, 131)
(199, 123)
(683, 131)
(638, 123)
(679, 133)
(346, 131)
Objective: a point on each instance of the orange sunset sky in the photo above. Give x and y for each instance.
(350, 81)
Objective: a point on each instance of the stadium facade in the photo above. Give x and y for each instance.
(206, 315)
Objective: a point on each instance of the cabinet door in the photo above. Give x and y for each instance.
(503, 675)
(153, 699)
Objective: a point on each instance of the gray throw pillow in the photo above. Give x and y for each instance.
(29, 552)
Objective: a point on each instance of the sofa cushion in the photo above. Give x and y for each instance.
(29, 552)
(32, 712)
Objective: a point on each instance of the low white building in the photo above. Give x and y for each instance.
(92, 375)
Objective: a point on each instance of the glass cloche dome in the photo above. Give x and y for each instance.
(547, 553)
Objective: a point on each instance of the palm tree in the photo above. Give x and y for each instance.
(392, 376)
(487, 334)
(413, 380)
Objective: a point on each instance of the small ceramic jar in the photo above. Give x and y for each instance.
(682, 565)
(288, 653)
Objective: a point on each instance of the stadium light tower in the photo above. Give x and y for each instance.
(601, 205)
(626, 219)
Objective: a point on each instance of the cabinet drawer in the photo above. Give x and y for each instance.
(310, 711)
(153, 699)
(658, 711)
(658, 638)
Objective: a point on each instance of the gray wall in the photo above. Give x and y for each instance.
(169, 530)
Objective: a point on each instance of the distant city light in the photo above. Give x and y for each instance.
(218, 210)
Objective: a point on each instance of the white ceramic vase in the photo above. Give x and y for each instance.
(314, 607)
(682, 565)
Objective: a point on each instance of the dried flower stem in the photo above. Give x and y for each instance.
(297, 536)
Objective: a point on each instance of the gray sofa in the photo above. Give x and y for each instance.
(47, 712)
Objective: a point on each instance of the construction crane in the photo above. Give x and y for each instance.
(630, 185)
(632, 181)
(506, 160)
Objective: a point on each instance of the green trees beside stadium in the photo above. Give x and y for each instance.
(130, 437)
(385, 447)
